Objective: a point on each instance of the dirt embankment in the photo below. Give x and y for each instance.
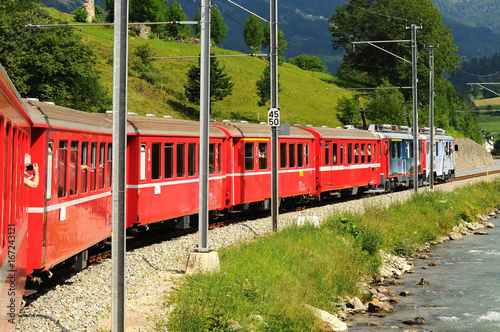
(470, 154)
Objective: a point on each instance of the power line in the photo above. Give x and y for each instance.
(477, 75)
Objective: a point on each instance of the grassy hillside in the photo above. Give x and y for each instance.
(303, 98)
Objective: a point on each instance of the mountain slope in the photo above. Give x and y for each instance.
(474, 24)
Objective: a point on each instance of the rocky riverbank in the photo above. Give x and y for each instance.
(360, 316)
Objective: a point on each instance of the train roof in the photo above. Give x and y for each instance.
(11, 104)
(152, 125)
(439, 134)
(245, 129)
(343, 133)
(50, 115)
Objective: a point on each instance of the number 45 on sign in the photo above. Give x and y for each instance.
(273, 117)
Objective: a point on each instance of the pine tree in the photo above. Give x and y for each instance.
(220, 82)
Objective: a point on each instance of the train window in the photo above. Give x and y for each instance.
(143, 161)
(410, 149)
(300, 155)
(394, 148)
(362, 153)
(84, 167)
(283, 155)
(192, 158)
(248, 156)
(356, 153)
(341, 154)
(386, 149)
(50, 168)
(211, 158)
(307, 154)
(155, 161)
(109, 178)
(291, 154)
(73, 166)
(61, 183)
(219, 158)
(327, 153)
(101, 165)
(368, 153)
(334, 154)
(436, 149)
(262, 155)
(93, 164)
(180, 159)
(169, 160)
(349, 153)
(375, 152)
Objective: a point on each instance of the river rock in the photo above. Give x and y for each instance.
(423, 282)
(406, 293)
(480, 233)
(433, 264)
(415, 321)
(380, 307)
(329, 321)
(489, 224)
(456, 236)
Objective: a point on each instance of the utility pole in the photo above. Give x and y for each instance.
(413, 42)
(120, 64)
(432, 93)
(273, 62)
(204, 125)
(416, 153)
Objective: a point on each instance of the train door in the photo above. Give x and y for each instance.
(327, 174)
(335, 163)
(396, 164)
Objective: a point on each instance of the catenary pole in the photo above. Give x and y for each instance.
(204, 125)
(120, 64)
(273, 62)
(431, 114)
(415, 110)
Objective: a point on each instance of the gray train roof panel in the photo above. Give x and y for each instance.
(48, 114)
(342, 133)
(243, 129)
(153, 125)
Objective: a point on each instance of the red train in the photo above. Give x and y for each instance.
(70, 211)
(15, 129)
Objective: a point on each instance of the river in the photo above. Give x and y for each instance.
(463, 292)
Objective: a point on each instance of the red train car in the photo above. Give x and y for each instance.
(15, 131)
(163, 169)
(249, 165)
(349, 159)
(70, 210)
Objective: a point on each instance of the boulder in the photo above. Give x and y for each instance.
(329, 322)
(380, 307)
(415, 321)
(456, 236)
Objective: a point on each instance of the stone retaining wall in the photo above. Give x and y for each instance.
(470, 154)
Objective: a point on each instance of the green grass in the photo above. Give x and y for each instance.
(303, 99)
(490, 123)
(264, 284)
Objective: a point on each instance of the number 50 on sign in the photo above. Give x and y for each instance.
(273, 117)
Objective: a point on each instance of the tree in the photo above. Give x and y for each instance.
(218, 28)
(496, 148)
(347, 111)
(80, 14)
(363, 20)
(220, 82)
(282, 43)
(264, 86)
(176, 13)
(387, 107)
(308, 62)
(140, 10)
(49, 64)
(253, 33)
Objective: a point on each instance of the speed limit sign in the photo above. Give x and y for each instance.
(273, 117)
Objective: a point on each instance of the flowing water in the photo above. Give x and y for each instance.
(464, 289)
